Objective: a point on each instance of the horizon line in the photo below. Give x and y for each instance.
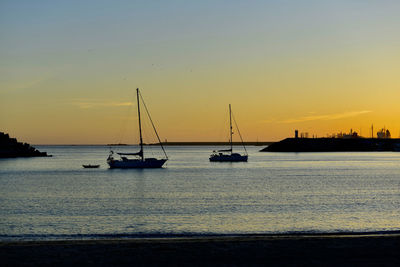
(164, 143)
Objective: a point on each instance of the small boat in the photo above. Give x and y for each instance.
(139, 162)
(90, 166)
(227, 155)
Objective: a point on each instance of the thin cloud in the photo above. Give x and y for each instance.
(268, 121)
(22, 85)
(95, 104)
(327, 117)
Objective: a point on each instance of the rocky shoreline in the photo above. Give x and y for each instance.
(11, 148)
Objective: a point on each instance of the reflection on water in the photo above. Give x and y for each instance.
(44, 198)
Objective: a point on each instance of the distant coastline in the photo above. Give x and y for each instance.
(171, 144)
(214, 143)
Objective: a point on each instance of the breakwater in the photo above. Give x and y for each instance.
(333, 145)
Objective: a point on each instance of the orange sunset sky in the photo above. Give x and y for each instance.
(69, 70)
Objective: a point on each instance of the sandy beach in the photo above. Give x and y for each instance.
(254, 250)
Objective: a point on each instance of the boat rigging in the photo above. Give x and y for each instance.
(140, 162)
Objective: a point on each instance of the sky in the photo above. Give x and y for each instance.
(69, 69)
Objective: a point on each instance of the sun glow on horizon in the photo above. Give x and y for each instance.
(69, 70)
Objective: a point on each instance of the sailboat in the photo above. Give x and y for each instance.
(227, 155)
(139, 162)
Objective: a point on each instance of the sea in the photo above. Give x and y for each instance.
(55, 198)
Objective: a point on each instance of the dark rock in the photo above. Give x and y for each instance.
(11, 148)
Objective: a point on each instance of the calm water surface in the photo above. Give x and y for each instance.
(55, 198)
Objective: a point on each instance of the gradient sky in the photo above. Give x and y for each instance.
(68, 69)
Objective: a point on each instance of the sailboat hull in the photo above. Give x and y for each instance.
(235, 157)
(219, 156)
(136, 163)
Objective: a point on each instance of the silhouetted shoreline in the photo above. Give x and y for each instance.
(333, 145)
(11, 148)
(255, 250)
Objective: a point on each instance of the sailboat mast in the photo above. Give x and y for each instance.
(140, 124)
(230, 124)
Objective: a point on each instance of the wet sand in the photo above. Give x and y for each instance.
(249, 250)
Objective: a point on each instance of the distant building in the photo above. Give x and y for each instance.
(383, 134)
(348, 135)
(304, 135)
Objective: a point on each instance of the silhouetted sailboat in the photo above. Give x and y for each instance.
(227, 155)
(140, 162)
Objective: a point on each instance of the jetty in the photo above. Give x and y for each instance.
(334, 145)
